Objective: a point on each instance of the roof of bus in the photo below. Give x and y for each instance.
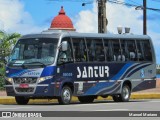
(58, 34)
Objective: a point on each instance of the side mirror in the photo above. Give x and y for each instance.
(64, 45)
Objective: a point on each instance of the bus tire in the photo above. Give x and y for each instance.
(124, 96)
(20, 100)
(116, 98)
(86, 99)
(65, 96)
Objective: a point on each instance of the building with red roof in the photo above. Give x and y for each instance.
(62, 22)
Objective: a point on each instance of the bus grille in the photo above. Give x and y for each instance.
(25, 80)
(25, 90)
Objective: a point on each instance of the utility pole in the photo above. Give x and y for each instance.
(102, 20)
(144, 17)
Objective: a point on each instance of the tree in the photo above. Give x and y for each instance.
(158, 71)
(7, 41)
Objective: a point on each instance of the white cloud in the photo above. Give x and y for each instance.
(13, 18)
(86, 21)
(124, 16)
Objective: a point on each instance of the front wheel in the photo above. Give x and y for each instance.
(124, 96)
(66, 96)
(20, 100)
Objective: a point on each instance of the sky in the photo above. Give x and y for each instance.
(32, 16)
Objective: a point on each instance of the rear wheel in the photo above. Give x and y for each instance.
(66, 96)
(124, 96)
(86, 99)
(20, 100)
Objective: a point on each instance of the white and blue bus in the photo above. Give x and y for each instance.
(62, 64)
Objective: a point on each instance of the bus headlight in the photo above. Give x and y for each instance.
(9, 80)
(41, 79)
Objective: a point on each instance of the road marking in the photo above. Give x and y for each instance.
(15, 108)
(153, 101)
(92, 104)
(113, 110)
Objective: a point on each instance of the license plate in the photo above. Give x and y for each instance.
(24, 86)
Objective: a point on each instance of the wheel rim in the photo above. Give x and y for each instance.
(126, 93)
(66, 95)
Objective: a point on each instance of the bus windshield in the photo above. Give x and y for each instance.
(34, 50)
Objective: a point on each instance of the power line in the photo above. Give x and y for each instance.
(132, 5)
(114, 2)
(122, 3)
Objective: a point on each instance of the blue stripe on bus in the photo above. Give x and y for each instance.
(131, 68)
(48, 71)
(137, 69)
(19, 73)
(100, 86)
(122, 71)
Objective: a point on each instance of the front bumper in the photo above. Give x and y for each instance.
(40, 90)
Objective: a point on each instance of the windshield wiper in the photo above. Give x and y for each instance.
(24, 64)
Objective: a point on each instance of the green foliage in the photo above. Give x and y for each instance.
(7, 42)
(158, 71)
(2, 75)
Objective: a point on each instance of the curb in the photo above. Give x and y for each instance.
(11, 100)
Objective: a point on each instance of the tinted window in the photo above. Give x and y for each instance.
(108, 50)
(130, 50)
(79, 49)
(95, 50)
(140, 54)
(145, 50)
(116, 50)
(123, 56)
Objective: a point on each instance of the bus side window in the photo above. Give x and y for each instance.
(147, 50)
(123, 57)
(131, 50)
(116, 50)
(108, 50)
(100, 56)
(96, 50)
(79, 49)
(140, 54)
(91, 45)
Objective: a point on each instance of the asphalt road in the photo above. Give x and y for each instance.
(133, 105)
(104, 106)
